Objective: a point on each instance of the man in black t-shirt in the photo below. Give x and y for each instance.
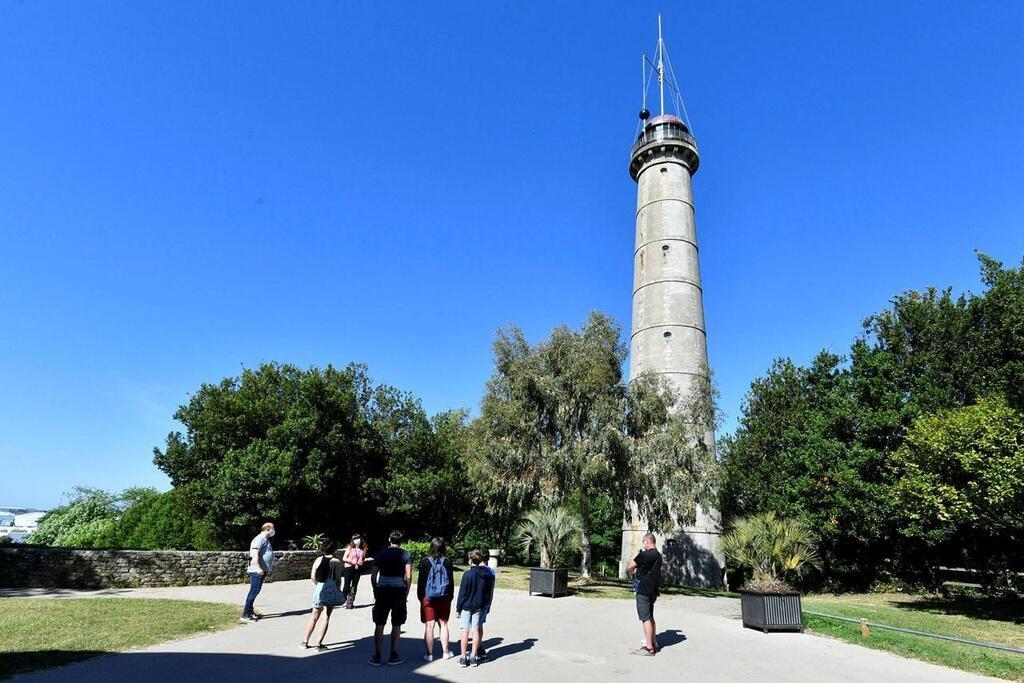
(391, 578)
(646, 570)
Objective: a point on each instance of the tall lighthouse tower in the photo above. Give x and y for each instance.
(668, 335)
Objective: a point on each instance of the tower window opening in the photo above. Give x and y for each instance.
(666, 335)
(664, 247)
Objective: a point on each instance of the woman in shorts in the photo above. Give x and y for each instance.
(326, 577)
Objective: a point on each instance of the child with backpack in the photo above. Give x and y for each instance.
(475, 594)
(435, 588)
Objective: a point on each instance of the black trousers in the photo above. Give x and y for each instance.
(351, 576)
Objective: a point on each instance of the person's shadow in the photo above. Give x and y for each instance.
(496, 651)
(670, 638)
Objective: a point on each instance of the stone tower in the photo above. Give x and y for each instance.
(668, 335)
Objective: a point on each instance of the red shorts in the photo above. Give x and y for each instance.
(435, 610)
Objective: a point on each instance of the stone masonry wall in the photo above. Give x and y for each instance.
(35, 567)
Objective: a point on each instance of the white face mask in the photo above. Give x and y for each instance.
(358, 542)
(271, 533)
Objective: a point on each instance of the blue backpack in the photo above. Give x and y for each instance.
(437, 580)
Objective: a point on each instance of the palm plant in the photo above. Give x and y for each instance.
(773, 548)
(314, 541)
(552, 531)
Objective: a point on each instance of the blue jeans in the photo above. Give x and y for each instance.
(255, 584)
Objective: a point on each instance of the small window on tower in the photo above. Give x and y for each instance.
(666, 335)
(664, 169)
(664, 247)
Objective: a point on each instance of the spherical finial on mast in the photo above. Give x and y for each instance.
(645, 114)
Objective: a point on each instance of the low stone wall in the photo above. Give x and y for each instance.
(35, 567)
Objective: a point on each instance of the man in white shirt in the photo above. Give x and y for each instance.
(261, 561)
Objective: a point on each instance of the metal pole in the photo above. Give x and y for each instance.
(661, 67)
(643, 80)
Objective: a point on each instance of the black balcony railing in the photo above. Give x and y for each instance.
(669, 130)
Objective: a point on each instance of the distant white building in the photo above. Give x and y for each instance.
(17, 523)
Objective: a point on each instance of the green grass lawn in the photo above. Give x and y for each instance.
(994, 621)
(512, 577)
(39, 633)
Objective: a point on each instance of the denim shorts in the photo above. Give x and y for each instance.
(468, 620)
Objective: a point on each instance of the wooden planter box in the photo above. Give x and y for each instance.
(553, 582)
(771, 611)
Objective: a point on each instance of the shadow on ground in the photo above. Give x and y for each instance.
(340, 658)
(496, 649)
(996, 609)
(670, 638)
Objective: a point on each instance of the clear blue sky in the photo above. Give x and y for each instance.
(189, 188)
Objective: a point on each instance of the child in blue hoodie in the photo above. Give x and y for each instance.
(475, 594)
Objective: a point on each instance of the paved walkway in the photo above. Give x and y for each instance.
(531, 639)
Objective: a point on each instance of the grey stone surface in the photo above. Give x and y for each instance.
(530, 639)
(68, 568)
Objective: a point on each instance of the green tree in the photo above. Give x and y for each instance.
(813, 443)
(159, 521)
(558, 420)
(999, 318)
(88, 515)
(961, 478)
(426, 487)
(796, 453)
(317, 451)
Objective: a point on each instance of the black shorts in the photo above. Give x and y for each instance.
(645, 607)
(390, 600)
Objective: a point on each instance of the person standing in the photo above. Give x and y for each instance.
(435, 589)
(391, 579)
(481, 651)
(475, 594)
(353, 559)
(646, 570)
(326, 577)
(261, 561)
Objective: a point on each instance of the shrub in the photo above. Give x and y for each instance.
(88, 515)
(772, 548)
(551, 531)
(417, 549)
(314, 541)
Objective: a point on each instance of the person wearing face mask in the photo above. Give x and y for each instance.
(353, 559)
(261, 561)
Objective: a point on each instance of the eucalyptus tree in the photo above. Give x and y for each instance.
(558, 418)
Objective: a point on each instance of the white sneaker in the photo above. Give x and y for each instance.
(428, 658)
(448, 654)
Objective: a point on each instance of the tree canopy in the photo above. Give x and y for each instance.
(815, 443)
(317, 451)
(961, 478)
(558, 422)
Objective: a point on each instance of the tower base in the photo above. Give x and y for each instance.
(690, 556)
